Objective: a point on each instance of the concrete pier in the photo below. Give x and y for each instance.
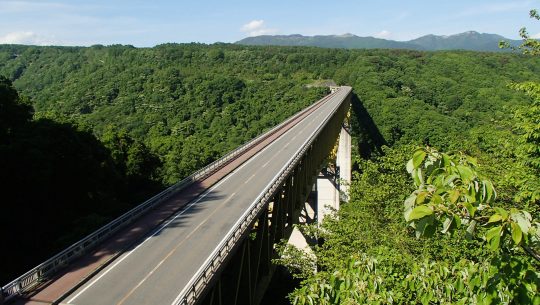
(343, 162)
(332, 187)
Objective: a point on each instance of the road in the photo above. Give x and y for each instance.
(156, 269)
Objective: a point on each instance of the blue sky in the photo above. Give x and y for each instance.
(151, 22)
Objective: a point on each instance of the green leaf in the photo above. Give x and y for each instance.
(425, 226)
(457, 221)
(493, 237)
(417, 176)
(436, 199)
(448, 224)
(409, 202)
(490, 193)
(523, 219)
(470, 208)
(516, 233)
(466, 173)
(420, 212)
(494, 218)
(446, 161)
(454, 196)
(450, 179)
(472, 160)
(502, 212)
(471, 228)
(418, 157)
(410, 166)
(421, 198)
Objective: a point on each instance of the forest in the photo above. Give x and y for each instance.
(88, 132)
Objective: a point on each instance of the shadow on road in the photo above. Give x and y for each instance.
(126, 240)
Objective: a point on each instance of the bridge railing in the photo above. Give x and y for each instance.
(41, 272)
(196, 286)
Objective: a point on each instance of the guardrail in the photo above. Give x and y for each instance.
(191, 293)
(38, 274)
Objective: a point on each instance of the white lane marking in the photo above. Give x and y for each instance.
(177, 299)
(228, 199)
(287, 144)
(249, 179)
(159, 229)
(172, 252)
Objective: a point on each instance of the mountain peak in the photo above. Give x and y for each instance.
(346, 35)
(470, 40)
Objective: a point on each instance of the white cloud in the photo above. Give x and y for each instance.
(23, 37)
(256, 28)
(253, 25)
(536, 36)
(383, 34)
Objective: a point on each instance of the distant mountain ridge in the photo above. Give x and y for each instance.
(464, 41)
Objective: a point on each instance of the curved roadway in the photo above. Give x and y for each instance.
(157, 268)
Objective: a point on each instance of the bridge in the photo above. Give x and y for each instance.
(210, 238)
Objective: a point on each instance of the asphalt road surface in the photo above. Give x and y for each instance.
(156, 269)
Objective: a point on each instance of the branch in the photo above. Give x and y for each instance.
(531, 252)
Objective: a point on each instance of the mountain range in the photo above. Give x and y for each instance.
(465, 41)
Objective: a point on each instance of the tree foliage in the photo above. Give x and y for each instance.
(58, 182)
(160, 113)
(483, 245)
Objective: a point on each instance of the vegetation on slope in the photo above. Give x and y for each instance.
(484, 245)
(162, 112)
(59, 181)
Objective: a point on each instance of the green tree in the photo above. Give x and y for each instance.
(14, 110)
(527, 149)
(137, 164)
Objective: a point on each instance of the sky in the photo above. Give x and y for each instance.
(151, 22)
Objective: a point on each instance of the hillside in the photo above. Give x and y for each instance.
(346, 41)
(465, 41)
(187, 104)
(473, 41)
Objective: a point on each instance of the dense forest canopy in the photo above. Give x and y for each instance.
(140, 117)
(185, 93)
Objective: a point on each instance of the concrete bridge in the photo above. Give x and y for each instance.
(210, 238)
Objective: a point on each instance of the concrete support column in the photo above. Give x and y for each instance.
(343, 162)
(327, 195)
(334, 187)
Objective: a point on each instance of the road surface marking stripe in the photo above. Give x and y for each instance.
(171, 252)
(249, 179)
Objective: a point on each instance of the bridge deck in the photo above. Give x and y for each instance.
(156, 269)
